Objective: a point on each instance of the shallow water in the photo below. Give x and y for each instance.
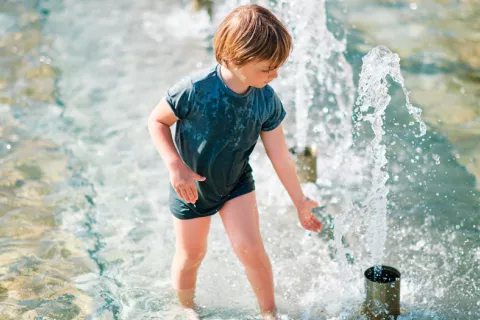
(85, 229)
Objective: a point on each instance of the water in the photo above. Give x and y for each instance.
(373, 93)
(317, 75)
(86, 230)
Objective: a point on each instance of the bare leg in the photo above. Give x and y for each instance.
(190, 248)
(240, 218)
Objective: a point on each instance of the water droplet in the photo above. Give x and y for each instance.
(201, 146)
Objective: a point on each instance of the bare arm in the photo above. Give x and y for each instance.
(181, 176)
(159, 123)
(282, 161)
(277, 152)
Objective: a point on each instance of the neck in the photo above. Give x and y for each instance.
(232, 81)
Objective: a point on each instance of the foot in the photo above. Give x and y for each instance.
(269, 316)
(192, 314)
(182, 313)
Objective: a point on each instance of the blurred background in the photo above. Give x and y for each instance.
(85, 231)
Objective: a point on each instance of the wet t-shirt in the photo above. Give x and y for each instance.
(216, 132)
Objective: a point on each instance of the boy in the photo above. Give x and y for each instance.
(220, 114)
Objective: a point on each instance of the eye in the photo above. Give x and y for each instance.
(266, 71)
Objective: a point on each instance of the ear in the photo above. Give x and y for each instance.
(230, 65)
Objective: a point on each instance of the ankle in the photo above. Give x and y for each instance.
(269, 314)
(186, 298)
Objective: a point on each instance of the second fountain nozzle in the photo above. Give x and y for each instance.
(305, 163)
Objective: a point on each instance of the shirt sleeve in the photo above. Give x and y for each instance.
(276, 116)
(179, 97)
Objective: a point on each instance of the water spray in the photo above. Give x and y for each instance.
(382, 283)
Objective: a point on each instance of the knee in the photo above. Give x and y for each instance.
(250, 254)
(190, 258)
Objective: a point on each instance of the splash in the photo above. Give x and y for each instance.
(321, 80)
(373, 100)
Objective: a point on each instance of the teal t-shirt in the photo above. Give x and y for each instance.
(216, 132)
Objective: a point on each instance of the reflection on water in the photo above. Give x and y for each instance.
(39, 258)
(440, 50)
(85, 229)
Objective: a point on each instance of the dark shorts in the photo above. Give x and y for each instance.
(184, 211)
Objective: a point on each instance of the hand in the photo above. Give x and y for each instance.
(307, 219)
(183, 181)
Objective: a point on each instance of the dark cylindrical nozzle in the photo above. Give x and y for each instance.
(382, 286)
(306, 163)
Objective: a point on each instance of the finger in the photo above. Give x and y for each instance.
(312, 228)
(192, 191)
(179, 192)
(183, 193)
(195, 193)
(318, 226)
(315, 224)
(198, 177)
(309, 225)
(189, 194)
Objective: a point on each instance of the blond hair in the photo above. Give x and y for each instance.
(249, 33)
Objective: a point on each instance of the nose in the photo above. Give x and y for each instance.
(273, 74)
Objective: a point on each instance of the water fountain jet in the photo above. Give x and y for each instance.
(382, 283)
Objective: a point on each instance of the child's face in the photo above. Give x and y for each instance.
(256, 74)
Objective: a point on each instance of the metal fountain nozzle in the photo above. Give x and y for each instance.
(382, 287)
(305, 163)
